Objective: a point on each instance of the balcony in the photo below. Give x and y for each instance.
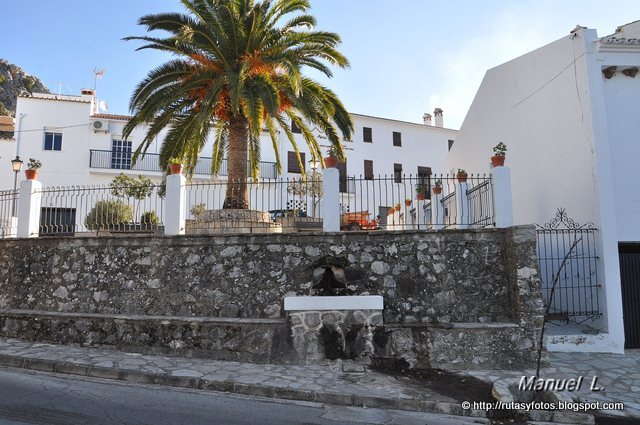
(116, 160)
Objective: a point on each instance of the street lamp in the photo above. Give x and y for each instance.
(16, 164)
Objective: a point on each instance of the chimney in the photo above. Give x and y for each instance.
(426, 118)
(90, 94)
(439, 120)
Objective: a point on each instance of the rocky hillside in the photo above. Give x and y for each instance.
(14, 82)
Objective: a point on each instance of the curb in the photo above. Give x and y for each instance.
(328, 397)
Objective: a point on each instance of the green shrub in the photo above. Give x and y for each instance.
(108, 215)
(150, 218)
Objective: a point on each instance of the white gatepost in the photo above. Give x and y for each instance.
(462, 206)
(29, 207)
(330, 200)
(437, 212)
(502, 197)
(175, 201)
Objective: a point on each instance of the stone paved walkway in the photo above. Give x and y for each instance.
(618, 374)
(332, 384)
(336, 383)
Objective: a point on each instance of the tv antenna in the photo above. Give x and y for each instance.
(98, 74)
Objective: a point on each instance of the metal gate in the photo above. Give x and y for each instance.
(630, 282)
(567, 256)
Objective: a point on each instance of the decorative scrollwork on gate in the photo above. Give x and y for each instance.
(562, 220)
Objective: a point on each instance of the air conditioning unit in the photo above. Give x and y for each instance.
(100, 126)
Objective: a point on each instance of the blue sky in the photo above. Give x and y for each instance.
(407, 56)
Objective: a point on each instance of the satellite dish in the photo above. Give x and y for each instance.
(103, 106)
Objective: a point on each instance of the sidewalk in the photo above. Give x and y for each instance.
(339, 383)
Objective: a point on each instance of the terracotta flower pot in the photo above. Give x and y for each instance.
(462, 177)
(390, 211)
(407, 202)
(420, 196)
(497, 160)
(175, 168)
(31, 174)
(330, 162)
(437, 190)
(397, 207)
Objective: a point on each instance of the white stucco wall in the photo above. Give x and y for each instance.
(538, 104)
(7, 153)
(621, 94)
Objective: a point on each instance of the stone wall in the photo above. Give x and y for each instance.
(429, 280)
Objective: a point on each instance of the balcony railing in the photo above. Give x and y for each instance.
(115, 160)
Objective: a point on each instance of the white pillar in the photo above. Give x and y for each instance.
(175, 201)
(462, 206)
(330, 200)
(437, 212)
(29, 206)
(502, 200)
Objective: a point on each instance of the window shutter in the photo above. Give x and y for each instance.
(367, 136)
(368, 169)
(292, 162)
(397, 138)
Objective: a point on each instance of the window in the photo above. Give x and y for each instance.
(367, 135)
(368, 169)
(52, 141)
(424, 180)
(450, 144)
(397, 173)
(57, 221)
(121, 155)
(295, 128)
(397, 138)
(292, 162)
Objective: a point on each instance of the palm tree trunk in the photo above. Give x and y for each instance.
(237, 196)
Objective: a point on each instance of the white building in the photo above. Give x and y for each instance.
(568, 113)
(77, 145)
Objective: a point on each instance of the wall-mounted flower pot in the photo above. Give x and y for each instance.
(420, 196)
(407, 202)
(330, 162)
(31, 174)
(398, 207)
(175, 169)
(497, 160)
(390, 211)
(437, 190)
(462, 177)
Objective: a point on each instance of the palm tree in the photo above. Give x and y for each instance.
(238, 69)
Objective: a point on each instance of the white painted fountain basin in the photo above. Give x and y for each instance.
(353, 302)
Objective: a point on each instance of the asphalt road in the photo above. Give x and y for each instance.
(39, 398)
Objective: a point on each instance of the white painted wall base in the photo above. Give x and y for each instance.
(330, 200)
(29, 206)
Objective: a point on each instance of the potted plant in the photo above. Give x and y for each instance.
(499, 152)
(175, 165)
(437, 188)
(32, 169)
(332, 160)
(421, 192)
(390, 211)
(461, 175)
(407, 202)
(398, 207)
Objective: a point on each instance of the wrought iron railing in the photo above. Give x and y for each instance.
(67, 211)
(402, 202)
(567, 257)
(116, 160)
(268, 206)
(8, 213)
